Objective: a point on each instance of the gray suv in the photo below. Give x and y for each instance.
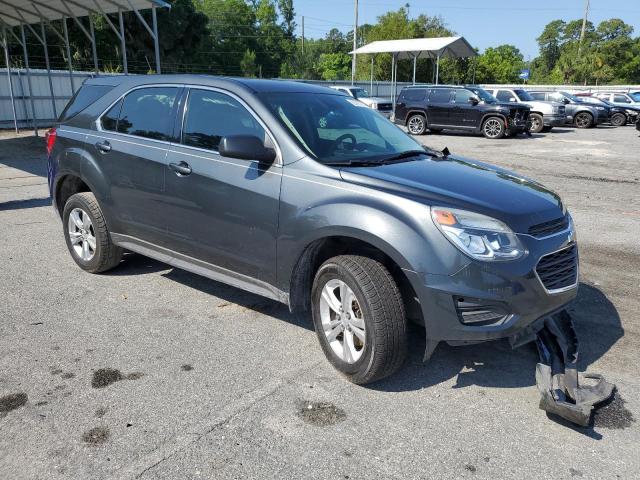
(308, 197)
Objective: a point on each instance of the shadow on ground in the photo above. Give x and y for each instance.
(24, 153)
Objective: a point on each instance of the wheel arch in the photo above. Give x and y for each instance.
(419, 112)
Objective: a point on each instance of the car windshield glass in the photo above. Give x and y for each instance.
(360, 93)
(635, 96)
(523, 95)
(573, 98)
(485, 96)
(338, 129)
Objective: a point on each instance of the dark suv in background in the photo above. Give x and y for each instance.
(468, 108)
(306, 196)
(579, 113)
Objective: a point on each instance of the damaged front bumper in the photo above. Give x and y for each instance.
(557, 375)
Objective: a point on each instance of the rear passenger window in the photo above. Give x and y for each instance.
(440, 95)
(537, 96)
(415, 94)
(146, 112)
(212, 115)
(109, 120)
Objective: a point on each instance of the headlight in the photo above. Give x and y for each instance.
(631, 112)
(480, 237)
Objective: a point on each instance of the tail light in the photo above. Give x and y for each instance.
(50, 137)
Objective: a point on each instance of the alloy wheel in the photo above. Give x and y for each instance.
(493, 128)
(583, 120)
(416, 125)
(81, 234)
(342, 321)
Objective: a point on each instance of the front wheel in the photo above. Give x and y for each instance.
(618, 119)
(359, 317)
(583, 120)
(416, 124)
(493, 127)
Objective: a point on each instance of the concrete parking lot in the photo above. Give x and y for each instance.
(152, 372)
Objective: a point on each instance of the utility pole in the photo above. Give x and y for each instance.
(355, 44)
(303, 35)
(584, 24)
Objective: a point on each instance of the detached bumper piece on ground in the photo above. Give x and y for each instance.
(557, 374)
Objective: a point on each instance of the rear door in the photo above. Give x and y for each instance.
(225, 211)
(410, 99)
(463, 113)
(439, 110)
(133, 141)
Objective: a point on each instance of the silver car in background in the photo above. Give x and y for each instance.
(382, 105)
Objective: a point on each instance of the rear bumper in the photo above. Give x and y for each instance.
(554, 120)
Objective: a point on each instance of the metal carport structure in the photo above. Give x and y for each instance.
(31, 13)
(413, 48)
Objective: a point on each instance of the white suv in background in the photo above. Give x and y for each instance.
(382, 105)
(619, 99)
(544, 115)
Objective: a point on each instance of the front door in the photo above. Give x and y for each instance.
(132, 143)
(464, 113)
(220, 210)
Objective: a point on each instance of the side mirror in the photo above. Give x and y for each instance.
(473, 101)
(246, 147)
(566, 101)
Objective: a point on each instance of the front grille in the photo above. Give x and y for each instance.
(385, 107)
(559, 269)
(549, 228)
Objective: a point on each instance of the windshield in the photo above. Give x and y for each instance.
(485, 96)
(524, 96)
(635, 96)
(360, 93)
(573, 98)
(338, 129)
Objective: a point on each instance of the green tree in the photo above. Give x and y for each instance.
(335, 66)
(501, 64)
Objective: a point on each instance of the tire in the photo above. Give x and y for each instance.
(618, 119)
(493, 127)
(583, 120)
(435, 130)
(537, 123)
(376, 305)
(416, 124)
(91, 246)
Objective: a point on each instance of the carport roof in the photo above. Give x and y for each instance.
(15, 12)
(455, 47)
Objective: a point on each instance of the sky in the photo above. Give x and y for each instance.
(487, 23)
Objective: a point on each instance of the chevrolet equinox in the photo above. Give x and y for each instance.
(307, 196)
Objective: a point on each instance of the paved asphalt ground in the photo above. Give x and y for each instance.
(218, 383)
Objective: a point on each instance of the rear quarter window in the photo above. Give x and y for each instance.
(415, 94)
(84, 97)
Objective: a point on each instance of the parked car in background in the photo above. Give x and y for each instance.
(580, 114)
(618, 98)
(638, 123)
(302, 195)
(466, 108)
(544, 115)
(382, 105)
(619, 115)
(635, 95)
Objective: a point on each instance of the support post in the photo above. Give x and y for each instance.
(371, 87)
(48, 66)
(415, 60)
(156, 45)
(26, 65)
(123, 43)
(68, 48)
(93, 46)
(393, 86)
(437, 68)
(5, 45)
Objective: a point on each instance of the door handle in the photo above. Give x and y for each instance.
(181, 168)
(104, 146)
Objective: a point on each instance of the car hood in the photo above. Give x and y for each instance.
(462, 183)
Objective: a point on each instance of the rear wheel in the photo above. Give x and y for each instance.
(416, 124)
(537, 123)
(618, 119)
(493, 127)
(359, 317)
(583, 120)
(87, 236)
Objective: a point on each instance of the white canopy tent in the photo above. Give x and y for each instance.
(34, 13)
(414, 48)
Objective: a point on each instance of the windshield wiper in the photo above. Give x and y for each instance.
(409, 154)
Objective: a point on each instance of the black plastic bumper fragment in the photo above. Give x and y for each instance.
(557, 373)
